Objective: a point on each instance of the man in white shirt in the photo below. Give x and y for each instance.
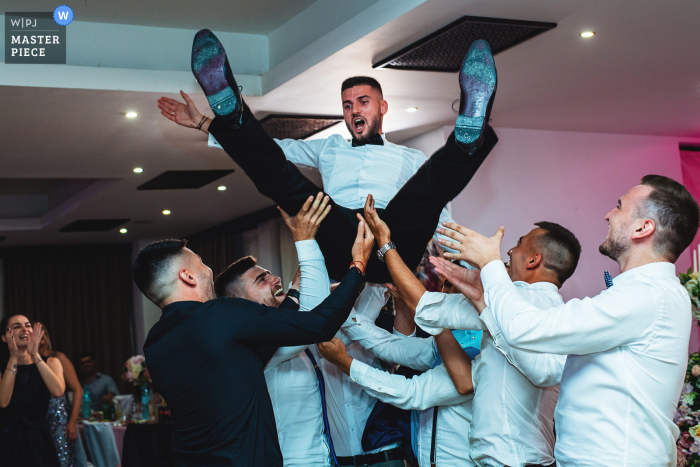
(439, 404)
(626, 347)
(413, 192)
(515, 391)
(513, 405)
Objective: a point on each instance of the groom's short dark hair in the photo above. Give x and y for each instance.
(360, 80)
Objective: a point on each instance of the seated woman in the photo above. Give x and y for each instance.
(27, 383)
(63, 417)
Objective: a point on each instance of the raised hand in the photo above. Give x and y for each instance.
(379, 228)
(334, 351)
(307, 221)
(12, 344)
(34, 340)
(467, 281)
(185, 114)
(473, 247)
(364, 241)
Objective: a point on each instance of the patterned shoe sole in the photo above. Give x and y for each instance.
(477, 78)
(209, 68)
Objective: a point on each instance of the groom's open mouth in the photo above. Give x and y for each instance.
(278, 292)
(358, 124)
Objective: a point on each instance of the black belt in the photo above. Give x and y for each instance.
(371, 459)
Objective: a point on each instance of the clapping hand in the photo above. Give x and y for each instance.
(473, 247)
(34, 340)
(12, 344)
(185, 114)
(379, 228)
(467, 281)
(334, 351)
(307, 221)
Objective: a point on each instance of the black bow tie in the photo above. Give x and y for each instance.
(376, 139)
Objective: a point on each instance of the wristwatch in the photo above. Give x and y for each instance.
(293, 293)
(382, 251)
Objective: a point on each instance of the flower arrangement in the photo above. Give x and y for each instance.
(688, 416)
(691, 282)
(135, 371)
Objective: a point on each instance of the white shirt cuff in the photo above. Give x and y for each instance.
(426, 314)
(494, 272)
(308, 250)
(358, 370)
(213, 143)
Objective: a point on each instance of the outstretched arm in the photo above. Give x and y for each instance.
(408, 285)
(184, 114)
(262, 325)
(432, 388)
(413, 352)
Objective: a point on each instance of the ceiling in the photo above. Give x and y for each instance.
(640, 74)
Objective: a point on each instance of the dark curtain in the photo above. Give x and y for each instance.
(218, 252)
(83, 295)
(222, 245)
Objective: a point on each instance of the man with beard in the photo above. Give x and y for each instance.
(627, 347)
(206, 356)
(411, 193)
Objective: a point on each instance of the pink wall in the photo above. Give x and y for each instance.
(570, 178)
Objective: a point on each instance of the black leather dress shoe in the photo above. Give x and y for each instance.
(213, 73)
(478, 81)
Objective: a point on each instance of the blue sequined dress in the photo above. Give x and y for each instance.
(57, 419)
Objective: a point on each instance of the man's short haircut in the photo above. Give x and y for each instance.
(88, 353)
(675, 213)
(228, 283)
(560, 249)
(151, 264)
(360, 80)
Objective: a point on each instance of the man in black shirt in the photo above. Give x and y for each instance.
(206, 356)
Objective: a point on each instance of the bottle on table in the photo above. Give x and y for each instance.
(145, 396)
(85, 407)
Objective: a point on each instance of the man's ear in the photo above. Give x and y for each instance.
(384, 106)
(533, 261)
(3, 338)
(643, 228)
(187, 277)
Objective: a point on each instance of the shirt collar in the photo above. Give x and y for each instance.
(376, 139)
(176, 306)
(660, 268)
(548, 286)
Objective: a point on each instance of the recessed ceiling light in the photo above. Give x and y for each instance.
(138, 170)
(131, 115)
(587, 34)
(222, 188)
(122, 230)
(412, 109)
(166, 212)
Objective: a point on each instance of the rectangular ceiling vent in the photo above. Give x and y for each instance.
(297, 126)
(93, 225)
(184, 179)
(445, 49)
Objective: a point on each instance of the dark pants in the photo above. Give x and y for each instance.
(412, 215)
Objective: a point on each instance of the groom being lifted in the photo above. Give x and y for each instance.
(410, 192)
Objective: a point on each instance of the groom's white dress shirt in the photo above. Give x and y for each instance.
(351, 173)
(421, 393)
(515, 392)
(627, 354)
